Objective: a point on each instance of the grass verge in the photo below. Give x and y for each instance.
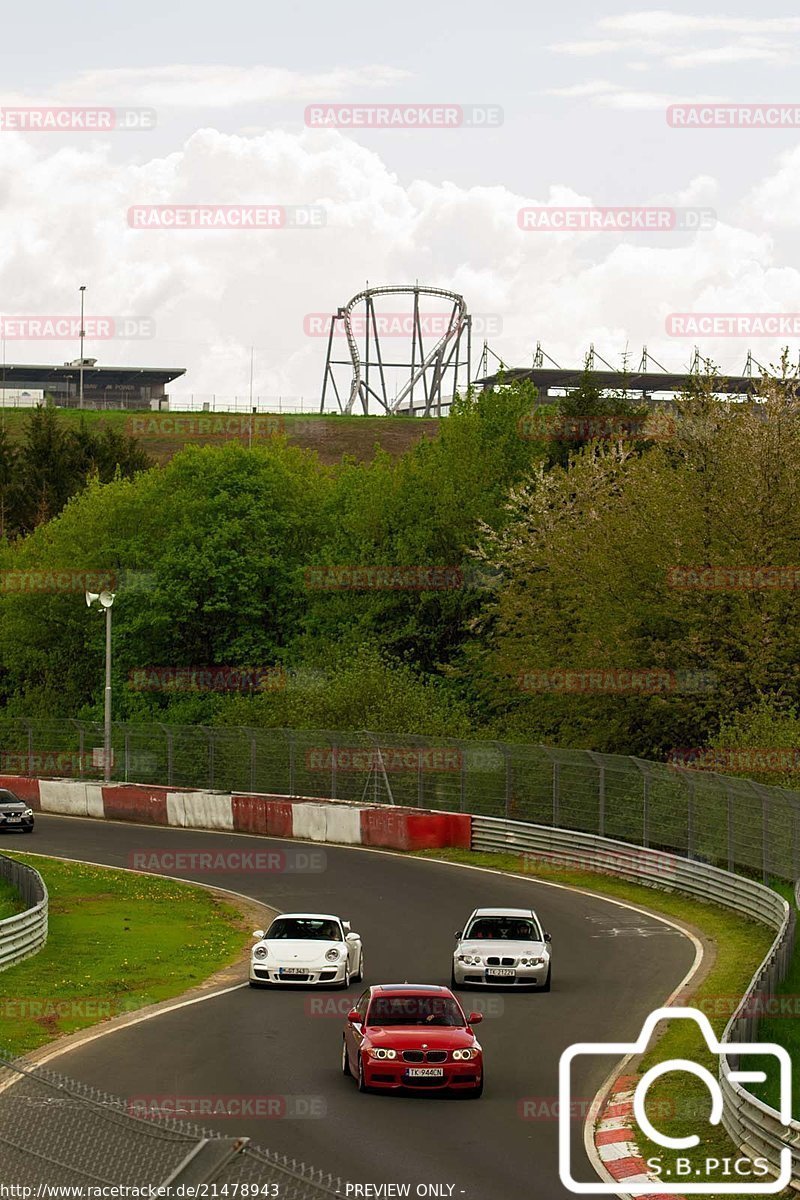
(678, 1104)
(118, 941)
(10, 900)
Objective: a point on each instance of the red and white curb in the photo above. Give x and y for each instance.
(615, 1137)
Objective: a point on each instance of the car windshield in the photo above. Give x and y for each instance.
(505, 929)
(313, 929)
(9, 798)
(415, 1010)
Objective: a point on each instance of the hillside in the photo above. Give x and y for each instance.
(162, 434)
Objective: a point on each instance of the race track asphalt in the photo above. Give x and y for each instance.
(612, 967)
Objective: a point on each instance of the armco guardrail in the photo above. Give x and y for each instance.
(751, 1124)
(25, 933)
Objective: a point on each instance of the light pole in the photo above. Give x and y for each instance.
(82, 336)
(106, 600)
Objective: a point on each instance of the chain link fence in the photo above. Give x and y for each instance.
(56, 1131)
(726, 821)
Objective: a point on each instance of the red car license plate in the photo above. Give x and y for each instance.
(503, 971)
(425, 1072)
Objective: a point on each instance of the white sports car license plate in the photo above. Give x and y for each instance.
(426, 1072)
(502, 971)
(294, 970)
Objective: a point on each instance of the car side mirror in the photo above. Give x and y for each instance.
(474, 1018)
(458, 933)
(548, 937)
(259, 934)
(354, 1016)
(352, 937)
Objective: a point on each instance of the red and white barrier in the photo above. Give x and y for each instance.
(309, 819)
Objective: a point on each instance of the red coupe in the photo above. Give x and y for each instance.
(414, 1036)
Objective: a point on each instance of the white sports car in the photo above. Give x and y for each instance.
(500, 947)
(307, 948)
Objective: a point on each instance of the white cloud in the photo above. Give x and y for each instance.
(212, 294)
(183, 85)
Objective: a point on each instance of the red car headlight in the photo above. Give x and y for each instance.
(381, 1052)
(460, 1055)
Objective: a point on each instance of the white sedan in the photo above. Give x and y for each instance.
(307, 948)
(500, 947)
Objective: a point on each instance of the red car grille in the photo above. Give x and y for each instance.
(431, 1056)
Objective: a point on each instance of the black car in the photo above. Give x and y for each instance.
(14, 813)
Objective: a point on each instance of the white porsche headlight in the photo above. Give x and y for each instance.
(332, 955)
(260, 952)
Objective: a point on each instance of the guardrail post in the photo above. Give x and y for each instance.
(463, 782)
(730, 832)
(210, 737)
(645, 810)
(127, 754)
(556, 791)
(333, 769)
(765, 838)
(690, 819)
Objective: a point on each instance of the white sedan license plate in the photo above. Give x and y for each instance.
(501, 971)
(425, 1072)
(294, 970)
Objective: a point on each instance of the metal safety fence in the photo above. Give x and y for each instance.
(57, 1131)
(730, 822)
(23, 933)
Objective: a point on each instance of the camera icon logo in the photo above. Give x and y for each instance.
(678, 1186)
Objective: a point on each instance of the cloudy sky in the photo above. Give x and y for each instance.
(584, 91)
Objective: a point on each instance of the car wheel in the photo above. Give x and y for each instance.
(362, 1087)
(453, 984)
(28, 830)
(546, 985)
(348, 978)
(475, 1092)
(360, 975)
(345, 1059)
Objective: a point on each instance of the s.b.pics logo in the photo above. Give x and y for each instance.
(687, 1169)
